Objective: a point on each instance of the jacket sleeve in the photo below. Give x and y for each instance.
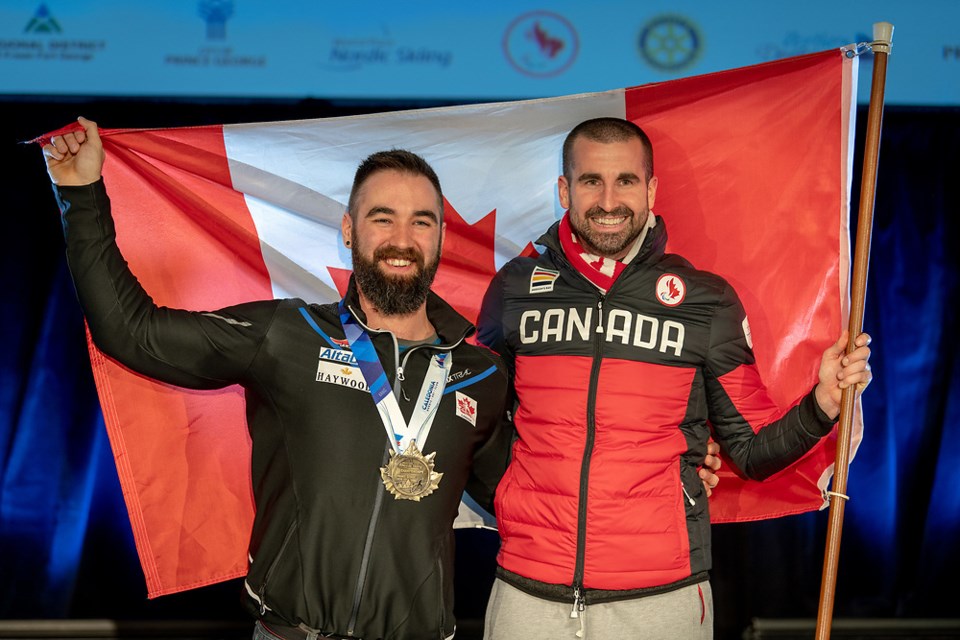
(186, 348)
(758, 439)
(490, 321)
(490, 462)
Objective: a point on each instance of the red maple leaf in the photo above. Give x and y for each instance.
(549, 45)
(672, 286)
(466, 407)
(466, 265)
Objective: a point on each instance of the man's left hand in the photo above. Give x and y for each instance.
(839, 370)
(711, 464)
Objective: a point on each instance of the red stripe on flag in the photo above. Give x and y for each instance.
(186, 479)
(751, 169)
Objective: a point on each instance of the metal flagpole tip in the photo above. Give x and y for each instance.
(882, 37)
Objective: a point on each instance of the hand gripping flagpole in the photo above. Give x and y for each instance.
(882, 39)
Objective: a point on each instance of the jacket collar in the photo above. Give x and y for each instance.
(450, 325)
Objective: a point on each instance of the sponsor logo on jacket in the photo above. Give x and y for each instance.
(541, 280)
(466, 408)
(343, 375)
(458, 375)
(338, 355)
(671, 290)
(339, 366)
(580, 325)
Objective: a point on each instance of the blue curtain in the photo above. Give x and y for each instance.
(898, 555)
(65, 539)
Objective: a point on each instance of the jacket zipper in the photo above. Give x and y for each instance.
(578, 570)
(367, 548)
(273, 565)
(440, 599)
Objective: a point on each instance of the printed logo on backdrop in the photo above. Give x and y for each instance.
(670, 43)
(44, 41)
(43, 22)
(216, 13)
(215, 51)
(794, 43)
(354, 53)
(541, 44)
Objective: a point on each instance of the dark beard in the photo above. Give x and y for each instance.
(605, 244)
(389, 295)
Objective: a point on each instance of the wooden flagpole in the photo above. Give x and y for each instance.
(882, 39)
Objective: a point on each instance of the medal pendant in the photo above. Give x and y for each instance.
(410, 475)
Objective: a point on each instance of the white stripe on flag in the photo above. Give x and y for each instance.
(297, 175)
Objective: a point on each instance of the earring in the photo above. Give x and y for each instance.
(347, 243)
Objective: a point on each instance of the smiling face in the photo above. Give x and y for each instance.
(608, 194)
(396, 235)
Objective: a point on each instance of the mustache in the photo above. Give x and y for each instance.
(398, 253)
(597, 211)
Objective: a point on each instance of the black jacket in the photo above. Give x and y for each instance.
(329, 547)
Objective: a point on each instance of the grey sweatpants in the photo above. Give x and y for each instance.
(678, 615)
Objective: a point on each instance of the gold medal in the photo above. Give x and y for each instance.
(410, 475)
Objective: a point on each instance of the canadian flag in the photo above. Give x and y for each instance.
(754, 170)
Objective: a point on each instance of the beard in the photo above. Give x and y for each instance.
(608, 244)
(390, 295)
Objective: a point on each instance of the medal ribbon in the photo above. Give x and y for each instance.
(399, 432)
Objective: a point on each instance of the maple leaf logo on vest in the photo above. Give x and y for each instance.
(670, 290)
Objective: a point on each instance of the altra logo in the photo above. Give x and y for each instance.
(338, 355)
(466, 408)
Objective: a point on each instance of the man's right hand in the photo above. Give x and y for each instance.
(75, 159)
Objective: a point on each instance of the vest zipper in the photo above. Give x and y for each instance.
(578, 570)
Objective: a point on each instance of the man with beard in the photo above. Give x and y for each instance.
(625, 360)
(361, 450)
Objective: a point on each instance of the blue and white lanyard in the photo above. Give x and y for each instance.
(399, 432)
